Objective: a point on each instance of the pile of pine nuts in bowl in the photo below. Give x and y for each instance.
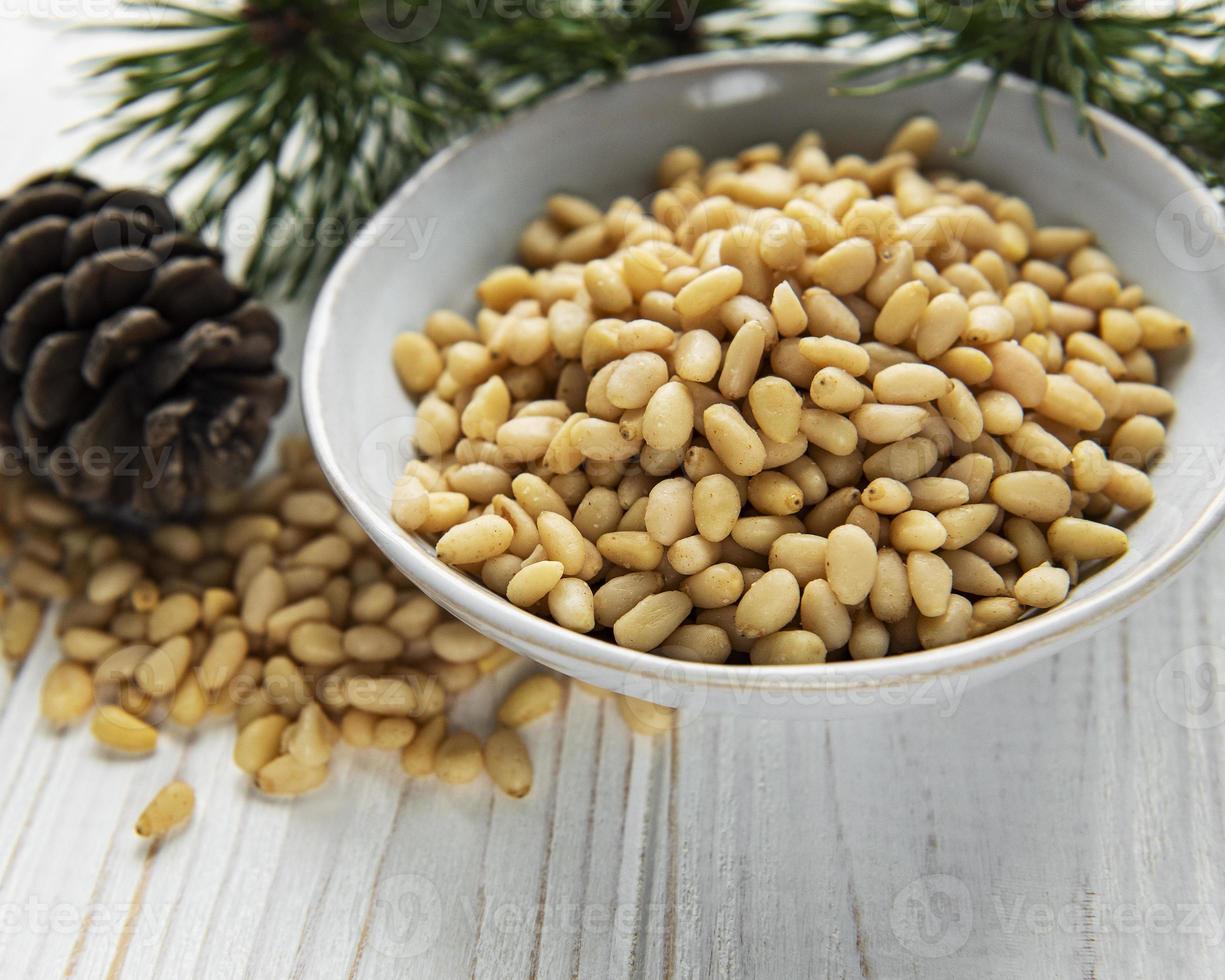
(780, 415)
(790, 409)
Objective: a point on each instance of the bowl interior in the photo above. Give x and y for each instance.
(462, 215)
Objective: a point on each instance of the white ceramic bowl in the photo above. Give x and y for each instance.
(462, 214)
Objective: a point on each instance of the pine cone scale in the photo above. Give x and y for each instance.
(125, 348)
(38, 313)
(54, 386)
(33, 251)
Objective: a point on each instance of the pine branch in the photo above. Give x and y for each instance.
(334, 104)
(1163, 73)
(331, 104)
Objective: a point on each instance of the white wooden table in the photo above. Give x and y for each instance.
(1066, 821)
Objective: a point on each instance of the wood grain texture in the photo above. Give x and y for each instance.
(1065, 821)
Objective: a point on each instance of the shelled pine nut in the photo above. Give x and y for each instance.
(303, 635)
(167, 811)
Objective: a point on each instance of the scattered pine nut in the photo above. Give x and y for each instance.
(167, 811)
(533, 698)
(118, 729)
(508, 763)
(458, 758)
(67, 693)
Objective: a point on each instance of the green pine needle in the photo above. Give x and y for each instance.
(328, 105)
(1163, 73)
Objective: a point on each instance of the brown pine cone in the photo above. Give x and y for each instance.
(133, 374)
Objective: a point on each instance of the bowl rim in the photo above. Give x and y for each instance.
(477, 605)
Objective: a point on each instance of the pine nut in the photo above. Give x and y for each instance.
(1161, 330)
(22, 622)
(315, 644)
(1042, 587)
(698, 356)
(1128, 487)
(167, 811)
(1036, 496)
(310, 509)
(475, 541)
(308, 738)
(370, 643)
(533, 582)
(776, 406)
(803, 555)
(768, 604)
(533, 698)
(1017, 372)
(1137, 441)
(160, 672)
(113, 581)
(328, 551)
(869, 637)
(1031, 441)
(668, 421)
(951, 626)
(508, 763)
(885, 424)
(917, 530)
(117, 729)
(562, 541)
(827, 351)
(886, 496)
(635, 550)
(910, 384)
(931, 582)
(788, 647)
(890, 597)
(708, 291)
(417, 362)
(737, 445)
(67, 693)
(698, 643)
(286, 776)
(940, 325)
(965, 524)
(394, 696)
(903, 461)
(572, 605)
(651, 620)
(644, 717)
(357, 728)
(35, 579)
(833, 433)
(417, 758)
(936, 493)
(834, 390)
(716, 506)
(973, 575)
(1085, 540)
(173, 616)
(850, 563)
